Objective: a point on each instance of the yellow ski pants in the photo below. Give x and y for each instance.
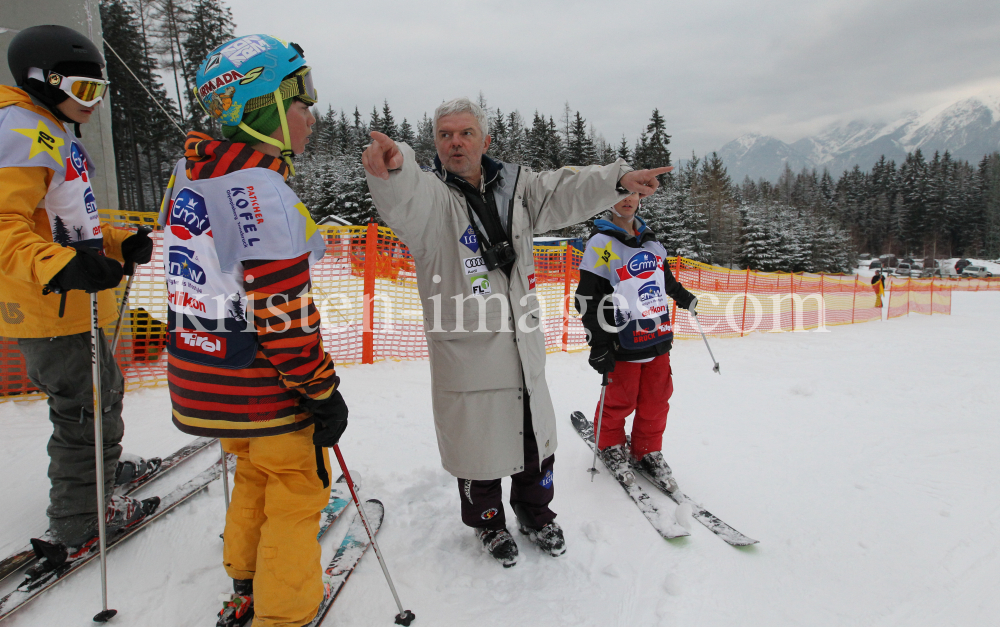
(272, 524)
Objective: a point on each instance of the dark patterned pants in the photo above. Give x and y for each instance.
(530, 493)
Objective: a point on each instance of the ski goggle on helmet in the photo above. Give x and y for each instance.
(86, 90)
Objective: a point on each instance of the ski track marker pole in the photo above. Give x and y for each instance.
(597, 433)
(95, 361)
(225, 474)
(130, 270)
(715, 368)
(405, 616)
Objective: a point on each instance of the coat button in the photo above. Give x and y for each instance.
(546, 444)
(518, 398)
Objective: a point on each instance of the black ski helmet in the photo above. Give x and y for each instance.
(52, 48)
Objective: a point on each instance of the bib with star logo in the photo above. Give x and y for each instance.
(642, 313)
(30, 140)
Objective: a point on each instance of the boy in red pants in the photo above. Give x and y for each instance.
(624, 282)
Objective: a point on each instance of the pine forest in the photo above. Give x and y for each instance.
(928, 206)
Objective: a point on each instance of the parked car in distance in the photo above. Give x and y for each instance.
(930, 272)
(977, 272)
(875, 265)
(903, 270)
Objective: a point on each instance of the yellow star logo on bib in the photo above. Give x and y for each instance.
(310, 224)
(42, 140)
(605, 255)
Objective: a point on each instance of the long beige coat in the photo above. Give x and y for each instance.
(481, 345)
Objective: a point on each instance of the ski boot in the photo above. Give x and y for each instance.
(500, 544)
(125, 512)
(122, 513)
(616, 459)
(656, 467)
(133, 469)
(238, 608)
(549, 538)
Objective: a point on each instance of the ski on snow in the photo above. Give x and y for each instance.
(31, 588)
(348, 554)
(661, 521)
(702, 515)
(26, 556)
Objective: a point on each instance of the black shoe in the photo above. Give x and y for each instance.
(549, 538)
(238, 608)
(500, 544)
(656, 467)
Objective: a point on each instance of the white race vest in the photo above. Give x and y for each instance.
(211, 227)
(29, 140)
(642, 311)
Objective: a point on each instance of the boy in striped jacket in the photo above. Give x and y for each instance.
(246, 361)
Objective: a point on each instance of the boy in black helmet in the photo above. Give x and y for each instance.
(51, 237)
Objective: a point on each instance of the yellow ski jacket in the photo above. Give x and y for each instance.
(44, 190)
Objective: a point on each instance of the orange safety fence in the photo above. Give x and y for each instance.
(923, 296)
(366, 291)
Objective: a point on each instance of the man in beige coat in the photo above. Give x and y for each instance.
(469, 224)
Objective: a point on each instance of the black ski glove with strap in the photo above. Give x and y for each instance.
(88, 271)
(137, 249)
(331, 418)
(602, 358)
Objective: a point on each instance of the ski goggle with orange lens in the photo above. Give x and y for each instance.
(85, 90)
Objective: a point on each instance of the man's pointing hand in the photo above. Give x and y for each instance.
(383, 155)
(643, 182)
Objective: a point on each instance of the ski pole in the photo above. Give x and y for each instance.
(95, 362)
(405, 617)
(225, 474)
(597, 434)
(130, 271)
(715, 368)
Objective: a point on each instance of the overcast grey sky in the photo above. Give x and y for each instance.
(715, 69)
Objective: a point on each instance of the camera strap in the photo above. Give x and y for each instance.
(488, 216)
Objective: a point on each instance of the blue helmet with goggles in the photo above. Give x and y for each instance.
(250, 73)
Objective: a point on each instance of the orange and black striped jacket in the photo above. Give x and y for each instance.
(290, 364)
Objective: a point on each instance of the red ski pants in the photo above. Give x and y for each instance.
(644, 388)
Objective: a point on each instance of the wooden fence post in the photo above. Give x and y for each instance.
(567, 269)
(368, 315)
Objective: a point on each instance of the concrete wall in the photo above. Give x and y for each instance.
(83, 16)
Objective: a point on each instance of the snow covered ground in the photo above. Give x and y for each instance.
(863, 459)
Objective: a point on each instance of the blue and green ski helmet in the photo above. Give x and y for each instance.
(243, 75)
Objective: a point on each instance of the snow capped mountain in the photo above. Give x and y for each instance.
(759, 156)
(969, 128)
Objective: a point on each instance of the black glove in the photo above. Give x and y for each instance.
(137, 249)
(331, 418)
(691, 306)
(602, 358)
(88, 271)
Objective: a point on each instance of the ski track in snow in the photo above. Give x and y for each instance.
(863, 459)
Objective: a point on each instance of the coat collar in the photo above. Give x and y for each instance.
(491, 173)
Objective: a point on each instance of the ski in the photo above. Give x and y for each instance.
(348, 554)
(702, 515)
(340, 498)
(31, 588)
(26, 556)
(661, 521)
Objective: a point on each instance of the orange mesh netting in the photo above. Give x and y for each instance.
(366, 291)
